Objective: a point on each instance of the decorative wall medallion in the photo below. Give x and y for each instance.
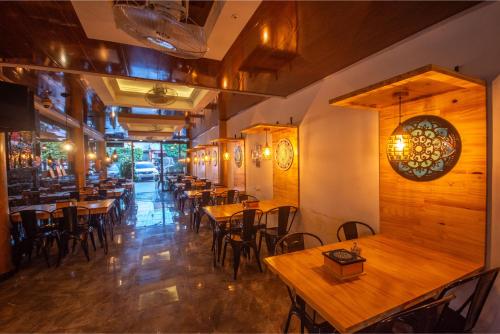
(214, 158)
(283, 154)
(435, 148)
(238, 156)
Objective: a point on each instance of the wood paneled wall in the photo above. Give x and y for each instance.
(286, 183)
(449, 213)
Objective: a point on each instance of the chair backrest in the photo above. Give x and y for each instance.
(72, 217)
(187, 185)
(294, 242)
(231, 196)
(351, 230)
(248, 220)
(422, 319)
(286, 216)
(29, 222)
(208, 185)
(484, 282)
(31, 197)
(103, 193)
(204, 198)
(74, 195)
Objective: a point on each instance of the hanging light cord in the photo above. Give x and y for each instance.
(400, 109)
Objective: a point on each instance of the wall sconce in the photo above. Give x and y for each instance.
(195, 159)
(226, 156)
(115, 155)
(267, 152)
(107, 159)
(265, 35)
(91, 155)
(399, 143)
(68, 145)
(188, 159)
(207, 158)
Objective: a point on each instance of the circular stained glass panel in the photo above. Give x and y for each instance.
(435, 148)
(283, 154)
(238, 156)
(215, 158)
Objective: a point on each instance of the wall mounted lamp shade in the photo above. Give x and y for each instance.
(435, 148)
(267, 152)
(226, 156)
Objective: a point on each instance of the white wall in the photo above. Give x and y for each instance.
(490, 318)
(259, 180)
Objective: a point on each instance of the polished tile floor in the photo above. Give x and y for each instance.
(157, 277)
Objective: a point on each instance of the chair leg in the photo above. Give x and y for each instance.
(288, 319)
(257, 255)
(224, 253)
(45, 252)
(85, 247)
(261, 235)
(92, 239)
(236, 258)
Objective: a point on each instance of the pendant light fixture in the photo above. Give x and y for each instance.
(91, 155)
(226, 156)
(399, 143)
(107, 159)
(266, 150)
(115, 155)
(67, 144)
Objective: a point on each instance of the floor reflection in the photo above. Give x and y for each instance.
(157, 277)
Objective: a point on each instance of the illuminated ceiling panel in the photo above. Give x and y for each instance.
(142, 87)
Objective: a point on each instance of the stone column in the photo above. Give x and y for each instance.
(5, 249)
(78, 156)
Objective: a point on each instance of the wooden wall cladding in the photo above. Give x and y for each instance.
(286, 182)
(448, 213)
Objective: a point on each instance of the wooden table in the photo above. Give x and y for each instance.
(95, 207)
(221, 213)
(397, 275)
(45, 196)
(216, 191)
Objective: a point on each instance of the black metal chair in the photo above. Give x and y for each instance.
(350, 230)
(31, 233)
(422, 319)
(208, 185)
(227, 197)
(452, 319)
(74, 195)
(290, 243)
(102, 193)
(242, 236)
(201, 199)
(286, 216)
(73, 225)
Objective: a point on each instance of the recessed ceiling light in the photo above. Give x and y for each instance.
(235, 16)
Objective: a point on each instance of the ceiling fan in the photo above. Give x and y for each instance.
(162, 25)
(160, 96)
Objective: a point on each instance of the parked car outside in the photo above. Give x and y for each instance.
(146, 170)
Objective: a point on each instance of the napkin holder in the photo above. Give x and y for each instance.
(343, 264)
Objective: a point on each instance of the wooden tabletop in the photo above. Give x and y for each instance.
(396, 276)
(95, 207)
(216, 191)
(59, 194)
(224, 212)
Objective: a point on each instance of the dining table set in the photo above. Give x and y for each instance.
(94, 208)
